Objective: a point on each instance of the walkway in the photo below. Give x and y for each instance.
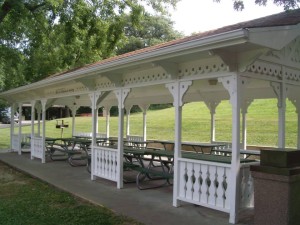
(148, 206)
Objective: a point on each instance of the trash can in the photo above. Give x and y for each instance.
(277, 188)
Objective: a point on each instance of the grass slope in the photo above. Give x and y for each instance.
(262, 124)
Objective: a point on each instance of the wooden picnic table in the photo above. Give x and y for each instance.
(196, 146)
(245, 152)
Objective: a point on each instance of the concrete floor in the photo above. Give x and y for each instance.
(148, 206)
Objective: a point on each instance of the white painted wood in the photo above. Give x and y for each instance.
(105, 163)
(43, 102)
(280, 90)
(178, 90)
(20, 126)
(13, 145)
(32, 126)
(234, 86)
(37, 148)
(121, 95)
(204, 190)
(212, 105)
(128, 109)
(107, 117)
(144, 108)
(244, 109)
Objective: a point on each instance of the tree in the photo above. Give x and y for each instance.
(151, 30)
(287, 4)
(50, 36)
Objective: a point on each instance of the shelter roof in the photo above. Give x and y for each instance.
(281, 19)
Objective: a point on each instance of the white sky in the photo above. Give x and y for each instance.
(193, 16)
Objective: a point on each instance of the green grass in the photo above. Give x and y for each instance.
(28, 201)
(262, 124)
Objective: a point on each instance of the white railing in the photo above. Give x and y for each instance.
(105, 163)
(207, 184)
(247, 186)
(204, 183)
(15, 143)
(37, 150)
(89, 134)
(132, 139)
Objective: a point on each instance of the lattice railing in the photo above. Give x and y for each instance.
(105, 163)
(15, 142)
(37, 150)
(207, 184)
(204, 183)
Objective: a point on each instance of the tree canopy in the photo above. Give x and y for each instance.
(42, 37)
(286, 4)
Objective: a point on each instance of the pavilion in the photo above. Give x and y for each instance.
(257, 59)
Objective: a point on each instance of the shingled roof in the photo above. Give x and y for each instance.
(281, 19)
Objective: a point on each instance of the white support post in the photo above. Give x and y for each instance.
(96, 121)
(296, 102)
(107, 108)
(245, 106)
(74, 110)
(234, 85)
(128, 108)
(12, 125)
(20, 126)
(94, 98)
(32, 126)
(44, 102)
(177, 89)
(144, 108)
(121, 95)
(280, 90)
(39, 111)
(212, 105)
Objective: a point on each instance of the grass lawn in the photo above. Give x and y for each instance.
(262, 125)
(28, 201)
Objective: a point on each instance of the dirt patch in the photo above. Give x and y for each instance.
(9, 175)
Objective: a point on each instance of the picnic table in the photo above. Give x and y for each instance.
(196, 146)
(151, 165)
(74, 150)
(228, 151)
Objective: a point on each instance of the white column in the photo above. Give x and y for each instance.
(94, 98)
(107, 108)
(296, 102)
(234, 85)
(32, 125)
(20, 126)
(121, 95)
(245, 106)
(74, 110)
(144, 108)
(39, 111)
(97, 120)
(44, 102)
(12, 125)
(281, 93)
(128, 108)
(177, 89)
(212, 105)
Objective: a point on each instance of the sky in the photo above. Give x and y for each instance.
(192, 16)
